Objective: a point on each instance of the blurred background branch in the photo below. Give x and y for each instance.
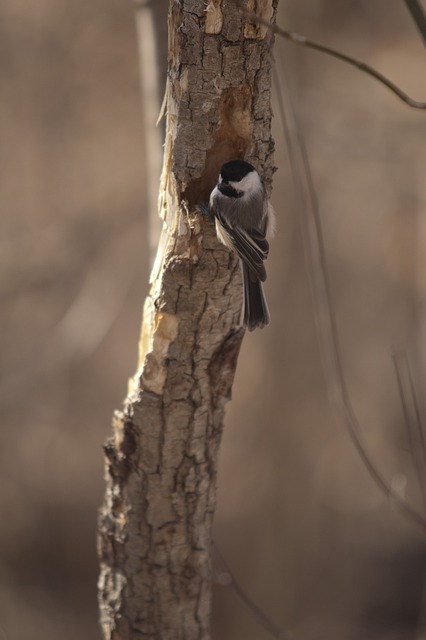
(412, 418)
(418, 15)
(151, 29)
(303, 41)
(323, 305)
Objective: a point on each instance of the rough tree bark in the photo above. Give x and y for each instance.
(161, 462)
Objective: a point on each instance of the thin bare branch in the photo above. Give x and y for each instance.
(299, 39)
(412, 418)
(418, 15)
(326, 321)
(264, 620)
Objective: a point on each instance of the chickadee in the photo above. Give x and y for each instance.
(243, 218)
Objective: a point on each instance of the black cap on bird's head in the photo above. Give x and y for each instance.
(235, 170)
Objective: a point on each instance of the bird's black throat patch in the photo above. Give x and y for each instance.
(229, 191)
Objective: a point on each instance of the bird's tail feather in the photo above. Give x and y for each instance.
(256, 312)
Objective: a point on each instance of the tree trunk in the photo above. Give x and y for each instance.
(161, 463)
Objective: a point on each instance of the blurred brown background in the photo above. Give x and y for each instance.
(305, 530)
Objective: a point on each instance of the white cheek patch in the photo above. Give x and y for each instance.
(251, 182)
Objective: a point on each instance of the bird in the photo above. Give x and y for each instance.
(245, 221)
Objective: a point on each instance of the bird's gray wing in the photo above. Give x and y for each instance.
(251, 246)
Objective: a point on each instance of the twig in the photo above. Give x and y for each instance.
(418, 15)
(299, 39)
(264, 620)
(323, 305)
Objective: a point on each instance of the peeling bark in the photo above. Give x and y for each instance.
(161, 463)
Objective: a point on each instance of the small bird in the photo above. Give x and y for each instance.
(244, 218)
